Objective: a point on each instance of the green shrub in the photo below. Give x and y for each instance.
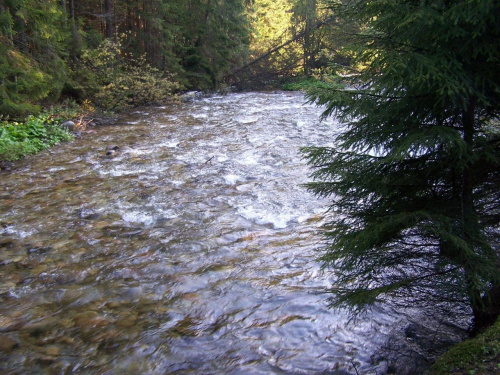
(299, 84)
(116, 80)
(34, 135)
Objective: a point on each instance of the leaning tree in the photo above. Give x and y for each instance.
(414, 177)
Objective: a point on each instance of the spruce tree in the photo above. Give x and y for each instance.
(32, 51)
(414, 175)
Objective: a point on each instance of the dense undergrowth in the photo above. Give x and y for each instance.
(109, 79)
(18, 139)
(299, 84)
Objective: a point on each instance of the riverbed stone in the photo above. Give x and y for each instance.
(66, 323)
(128, 319)
(40, 326)
(113, 304)
(67, 340)
(38, 250)
(112, 150)
(45, 360)
(8, 242)
(8, 324)
(92, 216)
(107, 338)
(90, 321)
(6, 287)
(7, 344)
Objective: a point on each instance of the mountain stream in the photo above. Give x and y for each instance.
(191, 249)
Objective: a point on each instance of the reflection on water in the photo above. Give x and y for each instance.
(191, 250)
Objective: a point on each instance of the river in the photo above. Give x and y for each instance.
(191, 250)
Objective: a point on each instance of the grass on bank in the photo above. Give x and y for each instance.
(301, 83)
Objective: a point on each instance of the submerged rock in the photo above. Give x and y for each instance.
(90, 321)
(112, 150)
(7, 344)
(52, 350)
(8, 324)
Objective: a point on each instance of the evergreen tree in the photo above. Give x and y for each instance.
(32, 49)
(415, 175)
(215, 38)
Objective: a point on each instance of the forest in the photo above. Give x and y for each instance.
(120, 53)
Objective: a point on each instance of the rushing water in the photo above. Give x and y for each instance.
(190, 251)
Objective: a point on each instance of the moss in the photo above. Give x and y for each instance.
(479, 355)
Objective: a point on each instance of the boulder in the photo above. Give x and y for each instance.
(68, 125)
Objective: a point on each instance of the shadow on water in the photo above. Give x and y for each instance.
(180, 241)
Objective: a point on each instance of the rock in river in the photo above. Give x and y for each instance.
(68, 125)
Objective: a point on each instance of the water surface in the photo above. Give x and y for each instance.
(192, 250)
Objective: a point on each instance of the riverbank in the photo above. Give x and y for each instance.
(59, 123)
(19, 138)
(477, 356)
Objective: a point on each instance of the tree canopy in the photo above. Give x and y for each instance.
(43, 45)
(196, 44)
(414, 178)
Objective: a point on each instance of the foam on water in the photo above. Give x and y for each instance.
(247, 119)
(262, 216)
(231, 179)
(132, 216)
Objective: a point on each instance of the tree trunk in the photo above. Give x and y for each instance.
(20, 38)
(275, 49)
(108, 16)
(483, 308)
(490, 312)
(72, 10)
(201, 32)
(63, 7)
(75, 37)
(308, 37)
